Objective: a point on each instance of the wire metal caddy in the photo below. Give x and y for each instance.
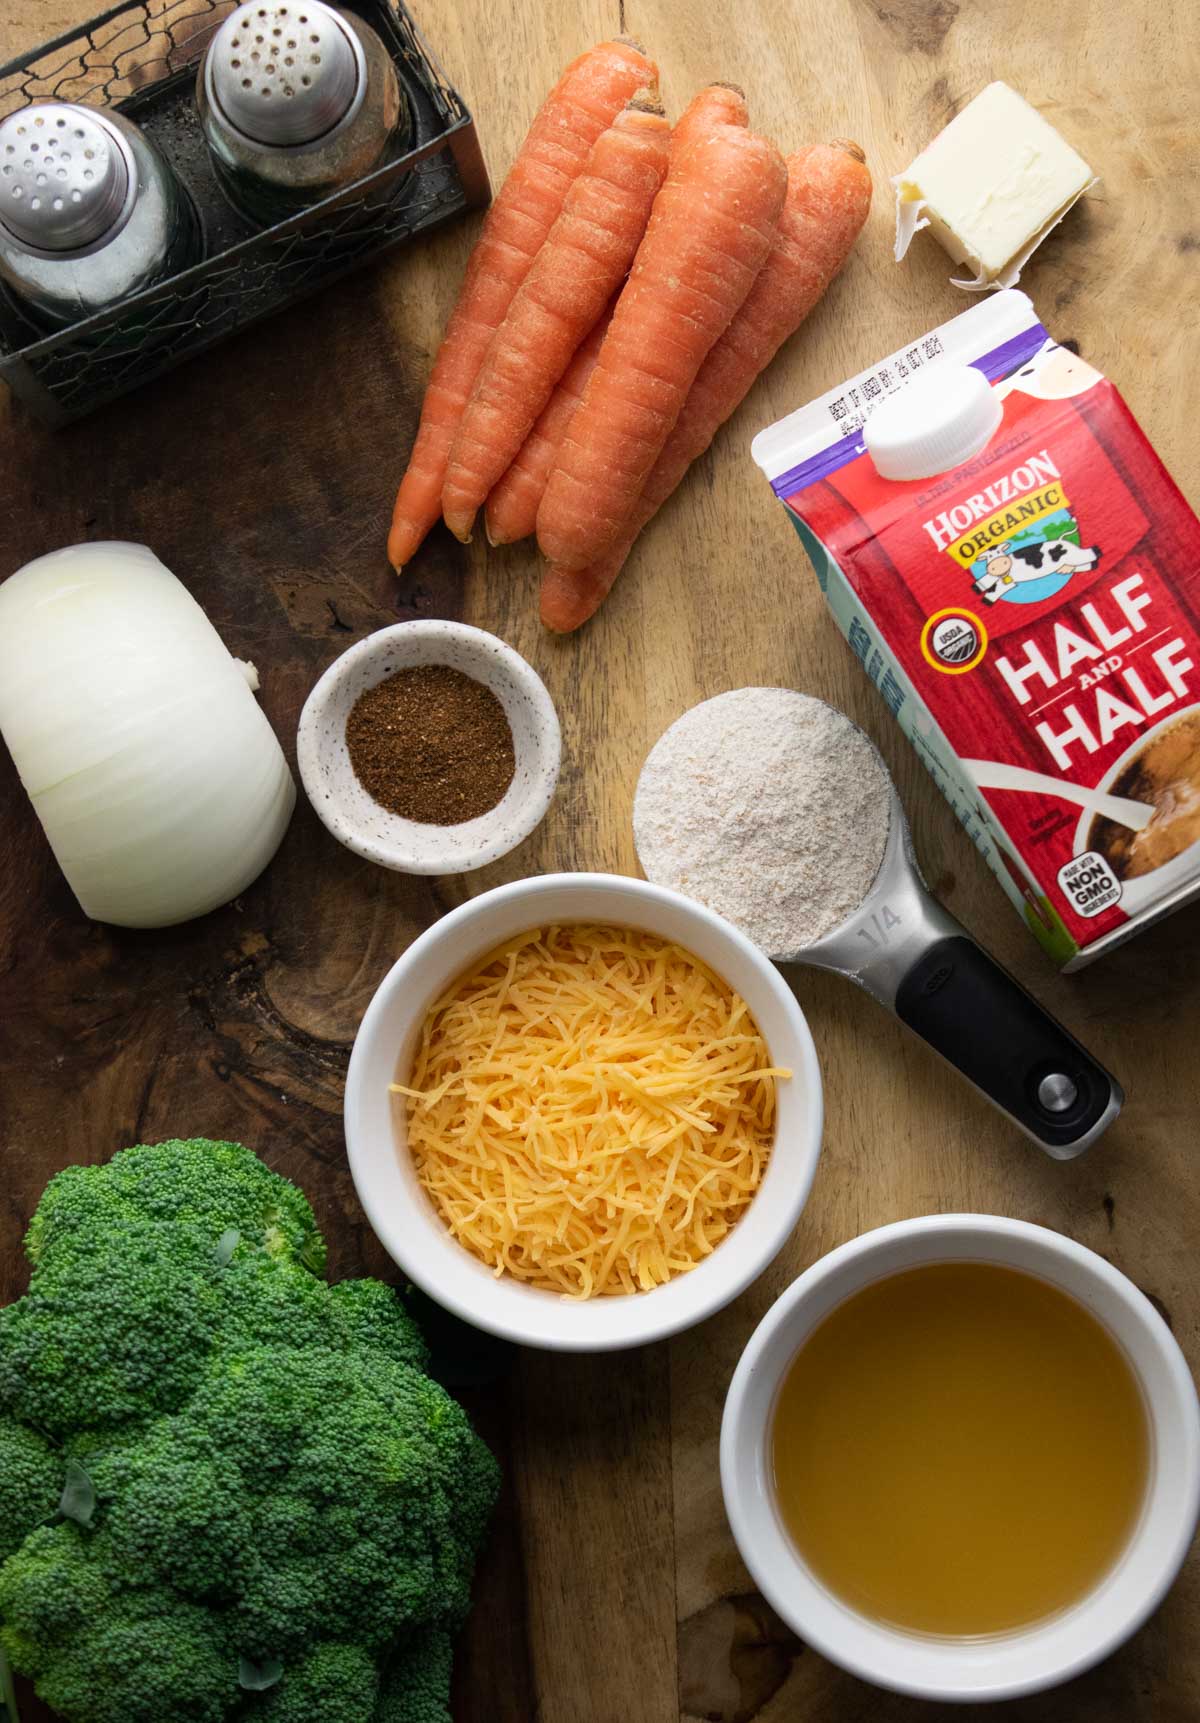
(141, 58)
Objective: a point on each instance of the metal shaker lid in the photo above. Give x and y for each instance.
(285, 73)
(67, 177)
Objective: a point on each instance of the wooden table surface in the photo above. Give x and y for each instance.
(612, 1589)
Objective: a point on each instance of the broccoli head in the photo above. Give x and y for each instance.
(282, 1510)
(31, 1480)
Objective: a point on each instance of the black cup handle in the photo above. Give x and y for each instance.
(975, 1015)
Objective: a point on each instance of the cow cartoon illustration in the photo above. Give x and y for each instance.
(995, 574)
(1053, 373)
(1005, 569)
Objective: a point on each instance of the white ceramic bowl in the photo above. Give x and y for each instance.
(403, 1216)
(1029, 1659)
(357, 820)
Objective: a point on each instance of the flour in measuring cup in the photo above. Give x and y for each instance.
(769, 807)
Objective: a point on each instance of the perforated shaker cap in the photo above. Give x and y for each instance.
(67, 177)
(284, 72)
(936, 422)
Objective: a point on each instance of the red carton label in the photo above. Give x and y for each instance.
(1040, 607)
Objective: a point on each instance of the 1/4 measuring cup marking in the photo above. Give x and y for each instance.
(883, 920)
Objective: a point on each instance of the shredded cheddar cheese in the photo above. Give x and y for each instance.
(590, 1109)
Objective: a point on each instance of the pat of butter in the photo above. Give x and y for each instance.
(990, 187)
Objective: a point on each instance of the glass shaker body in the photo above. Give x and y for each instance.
(296, 100)
(90, 212)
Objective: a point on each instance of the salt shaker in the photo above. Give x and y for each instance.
(296, 99)
(90, 212)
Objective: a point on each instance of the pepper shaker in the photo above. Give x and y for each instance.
(296, 99)
(90, 212)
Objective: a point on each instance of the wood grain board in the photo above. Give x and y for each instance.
(263, 477)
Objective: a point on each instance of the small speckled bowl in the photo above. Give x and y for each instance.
(409, 846)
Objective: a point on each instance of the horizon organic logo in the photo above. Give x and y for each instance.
(1011, 504)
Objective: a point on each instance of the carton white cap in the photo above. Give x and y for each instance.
(936, 422)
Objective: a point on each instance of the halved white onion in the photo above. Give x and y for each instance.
(157, 778)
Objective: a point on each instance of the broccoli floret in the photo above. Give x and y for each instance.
(335, 1683)
(144, 1659)
(129, 1294)
(199, 1185)
(266, 1302)
(416, 1686)
(318, 1494)
(116, 1324)
(366, 1313)
(49, 1590)
(122, 1325)
(31, 1478)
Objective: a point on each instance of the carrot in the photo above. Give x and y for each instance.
(716, 104)
(591, 92)
(828, 196)
(586, 257)
(709, 234)
(512, 508)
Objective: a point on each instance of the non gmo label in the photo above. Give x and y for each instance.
(1089, 883)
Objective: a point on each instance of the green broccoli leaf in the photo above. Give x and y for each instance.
(78, 1499)
(8, 1697)
(226, 1245)
(256, 1674)
(259, 1673)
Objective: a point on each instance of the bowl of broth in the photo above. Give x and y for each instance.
(961, 1457)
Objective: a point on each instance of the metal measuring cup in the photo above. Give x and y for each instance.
(902, 947)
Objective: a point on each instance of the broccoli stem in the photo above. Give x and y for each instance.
(8, 1694)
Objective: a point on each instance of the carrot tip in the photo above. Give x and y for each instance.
(460, 521)
(631, 42)
(724, 84)
(850, 147)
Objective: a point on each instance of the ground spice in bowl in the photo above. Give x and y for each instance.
(431, 744)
